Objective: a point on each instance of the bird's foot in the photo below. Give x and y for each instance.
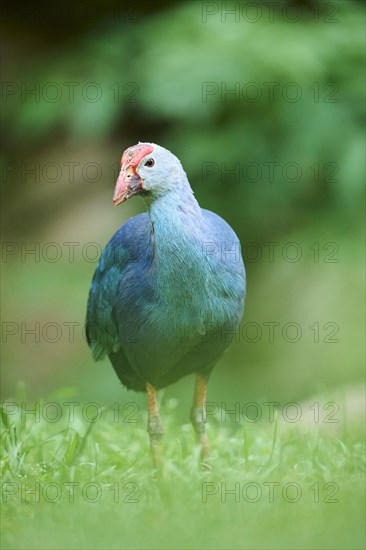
(205, 451)
(198, 419)
(156, 433)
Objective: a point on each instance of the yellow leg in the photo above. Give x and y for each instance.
(198, 415)
(154, 426)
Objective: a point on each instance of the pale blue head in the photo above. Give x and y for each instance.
(150, 171)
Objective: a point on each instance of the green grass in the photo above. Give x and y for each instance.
(267, 464)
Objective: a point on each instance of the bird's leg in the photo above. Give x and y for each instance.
(154, 425)
(198, 415)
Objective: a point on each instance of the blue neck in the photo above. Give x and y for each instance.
(175, 216)
(178, 229)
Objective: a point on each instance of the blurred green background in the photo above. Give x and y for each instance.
(106, 75)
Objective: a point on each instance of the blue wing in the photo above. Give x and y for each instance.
(129, 244)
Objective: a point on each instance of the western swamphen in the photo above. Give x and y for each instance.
(168, 292)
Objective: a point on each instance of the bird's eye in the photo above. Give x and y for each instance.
(150, 163)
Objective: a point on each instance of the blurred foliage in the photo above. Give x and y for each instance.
(161, 59)
(161, 64)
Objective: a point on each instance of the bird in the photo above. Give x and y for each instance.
(168, 292)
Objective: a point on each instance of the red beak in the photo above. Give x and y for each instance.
(128, 184)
